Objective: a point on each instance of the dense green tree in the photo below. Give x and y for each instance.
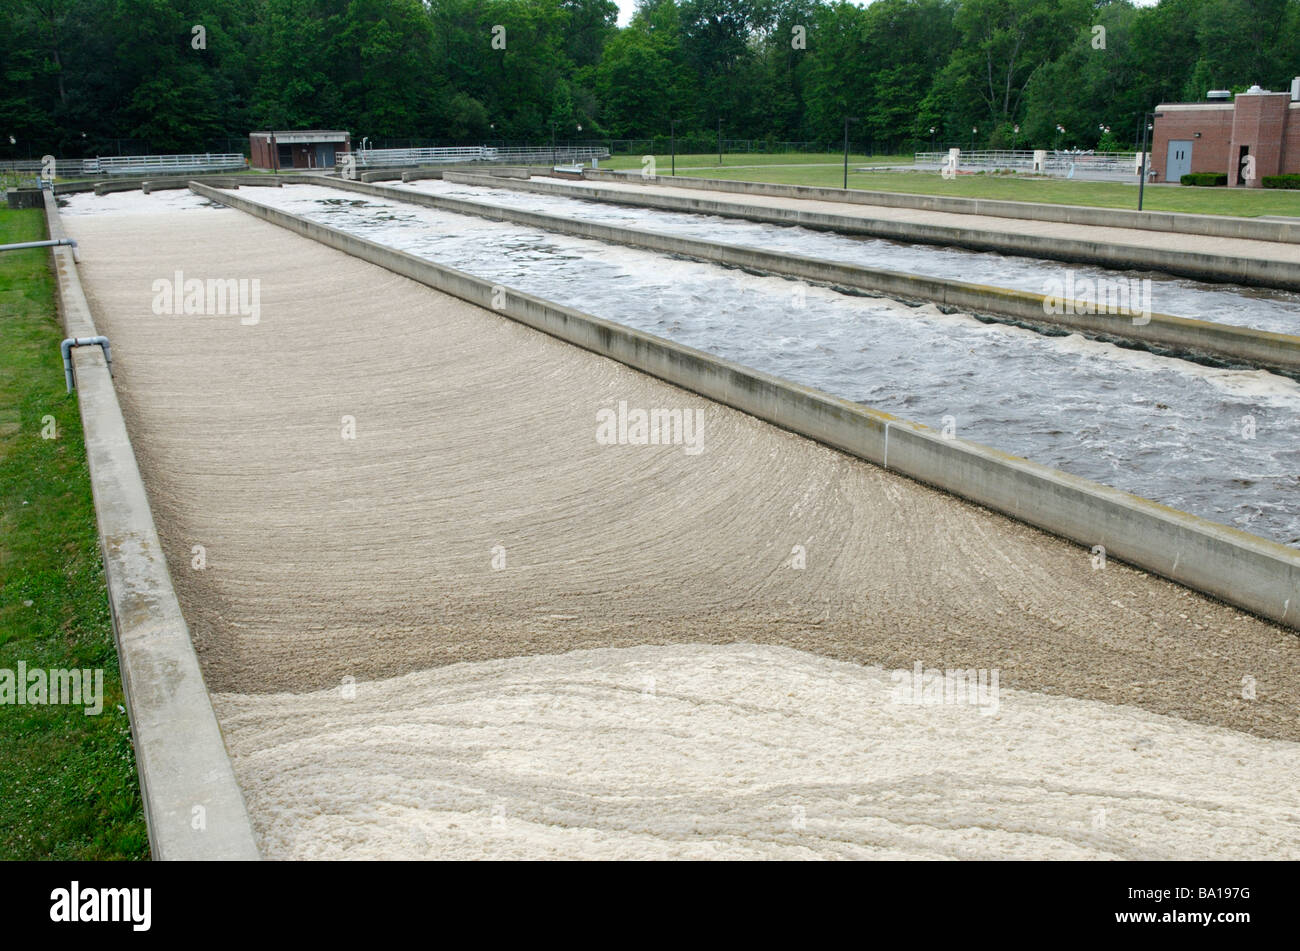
(92, 76)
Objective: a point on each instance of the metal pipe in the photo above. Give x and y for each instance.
(70, 342)
(44, 244)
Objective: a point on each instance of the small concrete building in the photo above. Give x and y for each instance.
(300, 148)
(1222, 134)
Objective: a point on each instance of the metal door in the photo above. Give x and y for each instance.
(1179, 161)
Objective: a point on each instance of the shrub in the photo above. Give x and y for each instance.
(1280, 181)
(1205, 178)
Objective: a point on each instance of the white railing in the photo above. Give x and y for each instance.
(127, 164)
(34, 167)
(1056, 162)
(389, 158)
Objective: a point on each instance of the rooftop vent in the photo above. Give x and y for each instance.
(1295, 89)
(1219, 95)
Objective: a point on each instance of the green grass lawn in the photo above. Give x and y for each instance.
(68, 787)
(827, 171)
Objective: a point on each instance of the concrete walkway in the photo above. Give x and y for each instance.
(1123, 237)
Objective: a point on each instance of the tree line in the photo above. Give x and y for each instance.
(81, 76)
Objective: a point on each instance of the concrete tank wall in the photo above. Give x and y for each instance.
(1251, 572)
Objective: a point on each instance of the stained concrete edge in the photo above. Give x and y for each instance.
(193, 806)
(1259, 272)
(1163, 333)
(1246, 570)
(1216, 226)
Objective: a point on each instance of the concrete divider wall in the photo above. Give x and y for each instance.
(408, 174)
(1163, 333)
(1251, 572)
(1217, 226)
(1262, 272)
(501, 171)
(180, 756)
(148, 185)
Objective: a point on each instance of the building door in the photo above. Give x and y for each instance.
(325, 155)
(1179, 161)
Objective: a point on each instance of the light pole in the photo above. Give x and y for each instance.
(1146, 157)
(931, 138)
(719, 140)
(847, 120)
(973, 131)
(553, 161)
(672, 138)
(1015, 132)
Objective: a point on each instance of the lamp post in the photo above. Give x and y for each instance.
(1146, 156)
(719, 140)
(973, 131)
(931, 138)
(847, 120)
(672, 138)
(553, 161)
(1015, 132)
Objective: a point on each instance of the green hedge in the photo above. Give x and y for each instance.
(1205, 178)
(1281, 181)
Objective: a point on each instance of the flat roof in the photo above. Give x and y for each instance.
(1190, 106)
(305, 135)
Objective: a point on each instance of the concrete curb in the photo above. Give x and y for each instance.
(1165, 334)
(108, 186)
(1251, 572)
(1216, 226)
(182, 761)
(1260, 272)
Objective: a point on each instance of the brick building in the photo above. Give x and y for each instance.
(1218, 135)
(300, 148)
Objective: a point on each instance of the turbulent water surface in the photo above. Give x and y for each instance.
(1222, 444)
